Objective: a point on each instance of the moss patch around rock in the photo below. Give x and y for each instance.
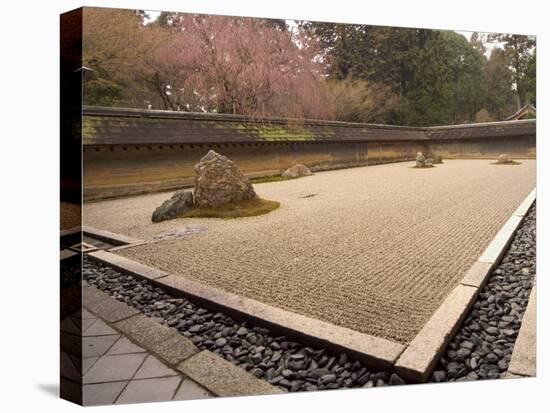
(247, 208)
(507, 163)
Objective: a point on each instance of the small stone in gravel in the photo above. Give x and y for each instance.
(327, 378)
(439, 376)
(363, 379)
(287, 373)
(296, 385)
(318, 373)
(491, 358)
(467, 345)
(396, 380)
(220, 342)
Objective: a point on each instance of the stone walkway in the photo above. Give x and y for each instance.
(117, 371)
(374, 249)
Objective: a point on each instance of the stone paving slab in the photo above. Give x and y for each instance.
(105, 306)
(97, 346)
(117, 367)
(374, 249)
(69, 326)
(102, 393)
(153, 368)
(171, 346)
(124, 346)
(524, 356)
(149, 390)
(69, 369)
(223, 378)
(189, 390)
(87, 363)
(122, 372)
(98, 328)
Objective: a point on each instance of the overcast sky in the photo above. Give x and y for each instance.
(153, 15)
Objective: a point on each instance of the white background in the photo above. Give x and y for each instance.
(29, 136)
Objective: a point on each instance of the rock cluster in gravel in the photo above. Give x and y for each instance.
(281, 361)
(504, 158)
(483, 347)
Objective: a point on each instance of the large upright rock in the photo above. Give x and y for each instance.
(219, 181)
(296, 171)
(420, 160)
(180, 203)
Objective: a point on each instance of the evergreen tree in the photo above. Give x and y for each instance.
(501, 100)
(519, 50)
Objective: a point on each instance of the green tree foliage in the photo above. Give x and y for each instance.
(438, 76)
(500, 98)
(519, 51)
(529, 80)
(357, 100)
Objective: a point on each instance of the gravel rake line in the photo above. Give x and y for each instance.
(483, 347)
(280, 361)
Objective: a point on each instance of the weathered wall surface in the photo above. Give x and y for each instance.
(521, 147)
(127, 152)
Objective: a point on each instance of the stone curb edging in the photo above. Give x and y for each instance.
(66, 254)
(129, 266)
(204, 367)
(374, 351)
(223, 378)
(112, 237)
(420, 357)
(524, 355)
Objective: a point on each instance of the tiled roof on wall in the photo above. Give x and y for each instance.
(111, 126)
